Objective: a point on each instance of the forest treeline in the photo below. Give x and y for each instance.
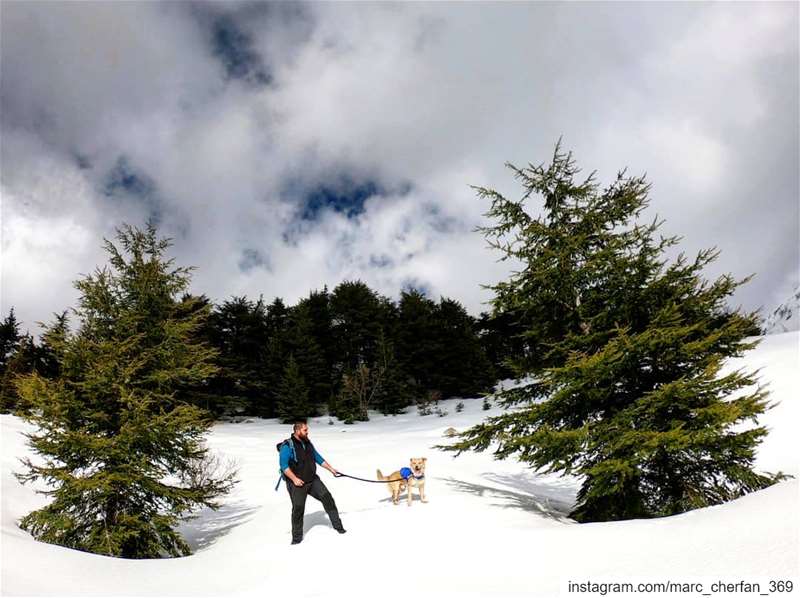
(341, 352)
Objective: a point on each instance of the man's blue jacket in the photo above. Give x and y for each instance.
(286, 453)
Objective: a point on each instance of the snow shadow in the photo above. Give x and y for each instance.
(209, 525)
(316, 518)
(553, 499)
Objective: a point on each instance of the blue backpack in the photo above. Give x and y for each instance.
(292, 458)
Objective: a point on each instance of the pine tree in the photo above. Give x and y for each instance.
(275, 358)
(209, 393)
(9, 344)
(238, 330)
(358, 314)
(461, 366)
(395, 391)
(501, 338)
(626, 354)
(293, 398)
(22, 361)
(52, 343)
(318, 307)
(123, 458)
(26, 357)
(9, 337)
(301, 342)
(418, 343)
(439, 346)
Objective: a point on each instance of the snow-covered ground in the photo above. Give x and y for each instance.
(491, 527)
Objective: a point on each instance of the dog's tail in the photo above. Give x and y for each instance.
(380, 475)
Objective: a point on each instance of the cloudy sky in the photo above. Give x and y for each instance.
(287, 146)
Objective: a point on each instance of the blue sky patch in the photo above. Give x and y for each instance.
(124, 181)
(345, 195)
(347, 199)
(233, 47)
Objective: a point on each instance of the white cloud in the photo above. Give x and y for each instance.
(437, 96)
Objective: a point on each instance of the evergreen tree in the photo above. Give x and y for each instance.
(123, 458)
(358, 316)
(462, 368)
(208, 393)
(380, 385)
(501, 338)
(274, 367)
(277, 317)
(418, 345)
(395, 391)
(318, 307)
(238, 331)
(22, 361)
(293, 397)
(627, 353)
(9, 337)
(52, 338)
(26, 357)
(302, 344)
(9, 344)
(275, 358)
(439, 347)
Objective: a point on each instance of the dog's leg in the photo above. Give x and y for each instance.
(422, 493)
(409, 494)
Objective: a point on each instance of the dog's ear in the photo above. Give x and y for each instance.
(424, 459)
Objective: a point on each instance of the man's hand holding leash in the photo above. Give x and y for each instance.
(328, 466)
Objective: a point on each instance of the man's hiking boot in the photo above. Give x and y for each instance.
(341, 530)
(296, 541)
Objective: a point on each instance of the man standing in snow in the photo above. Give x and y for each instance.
(298, 462)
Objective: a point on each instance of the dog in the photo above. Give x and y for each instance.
(414, 478)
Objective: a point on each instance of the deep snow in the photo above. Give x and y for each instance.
(490, 528)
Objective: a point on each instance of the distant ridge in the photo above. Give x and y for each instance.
(786, 317)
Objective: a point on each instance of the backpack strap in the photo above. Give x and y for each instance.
(281, 475)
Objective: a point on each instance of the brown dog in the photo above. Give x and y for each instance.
(399, 483)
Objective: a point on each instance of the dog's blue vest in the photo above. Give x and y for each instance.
(407, 473)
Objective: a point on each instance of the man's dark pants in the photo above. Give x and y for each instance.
(298, 495)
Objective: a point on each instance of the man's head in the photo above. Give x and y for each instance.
(300, 429)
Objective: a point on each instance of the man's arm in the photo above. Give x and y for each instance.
(322, 462)
(329, 467)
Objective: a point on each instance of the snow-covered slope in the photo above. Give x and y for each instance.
(490, 528)
(786, 317)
